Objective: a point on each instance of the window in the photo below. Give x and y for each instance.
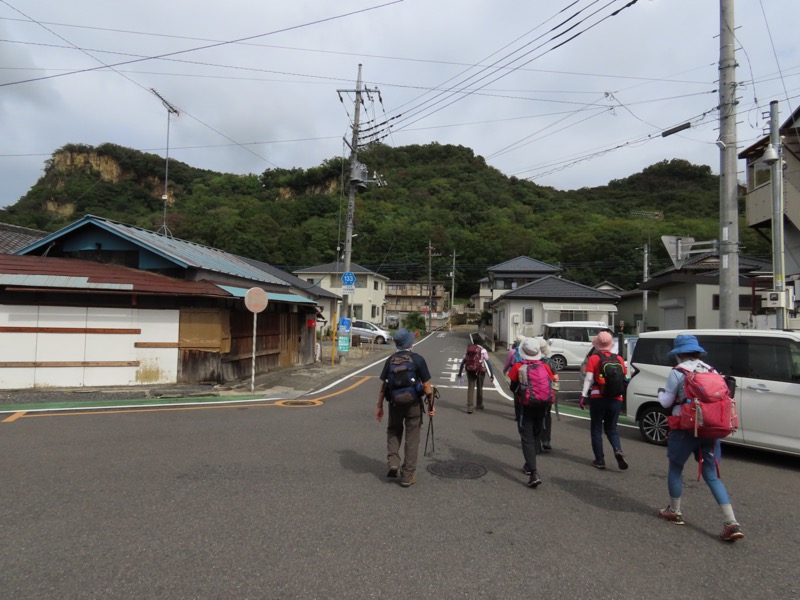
(773, 359)
(358, 311)
(745, 302)
(375, 286)
(374, 311)
(527, 315)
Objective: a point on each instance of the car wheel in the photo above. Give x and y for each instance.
(380, 340)
(653, 425)
(558, 362)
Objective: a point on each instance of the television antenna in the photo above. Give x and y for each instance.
(171, 110)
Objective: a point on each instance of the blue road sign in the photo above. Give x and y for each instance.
(344, 325)
(348, 278)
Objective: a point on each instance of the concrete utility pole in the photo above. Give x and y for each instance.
(728, 180)
(351, 194)
(452, 291)
(430, 286)
(776, 174)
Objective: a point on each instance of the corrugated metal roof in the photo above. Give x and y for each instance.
(180, 252)
(70, 273)
(240, 292)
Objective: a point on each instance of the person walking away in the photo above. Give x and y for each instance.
(477, 364)
(593, 350)
(406, 380)
(534, 391)
(681, 444)
(545, 436)
(604, 385)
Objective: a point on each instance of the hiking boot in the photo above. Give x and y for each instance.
(599, 464)
(673, 517)
(393, 471)
(479, 407)
(546, 447)
(731, 533)
(410, 481)
(469, 410)
(623, 464)
(534, 480)
(526, 468)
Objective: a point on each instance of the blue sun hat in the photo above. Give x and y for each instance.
(685, 344)
(403, 339)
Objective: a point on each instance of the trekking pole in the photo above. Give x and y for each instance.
(429, 435)
(558, 414)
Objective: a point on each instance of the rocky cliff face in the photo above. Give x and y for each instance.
(66, 161)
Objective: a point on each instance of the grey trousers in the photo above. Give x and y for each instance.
(408, 420)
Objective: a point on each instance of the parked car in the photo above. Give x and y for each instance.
(370, 331)
(765, 363)
(570, 341)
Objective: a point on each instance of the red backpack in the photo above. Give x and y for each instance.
(709, 410)
(473, 360)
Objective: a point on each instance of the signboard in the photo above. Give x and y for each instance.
(348, 278)
(256, 300)
(344, 325)
(343, 343)
(348, 290)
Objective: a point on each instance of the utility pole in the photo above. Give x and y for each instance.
(171, 110)
(358, 179)
(452, 292)
(430, 286)
(775, 162)
(728, 204)
(644, 280)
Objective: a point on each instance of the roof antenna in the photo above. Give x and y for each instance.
(171, 110)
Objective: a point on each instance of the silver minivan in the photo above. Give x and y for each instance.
(765, 363)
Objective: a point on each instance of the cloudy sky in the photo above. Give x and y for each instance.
(266, 84)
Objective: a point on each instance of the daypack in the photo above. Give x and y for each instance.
(709, 410)
(402, 385)
(473, 359)
(611, 376)
(534, 385)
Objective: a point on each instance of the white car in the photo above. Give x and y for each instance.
(570, 341)
(370, 331)
(765, 363)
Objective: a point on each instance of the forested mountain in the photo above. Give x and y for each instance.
(296, 217)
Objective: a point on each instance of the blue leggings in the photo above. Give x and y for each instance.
(680, 446)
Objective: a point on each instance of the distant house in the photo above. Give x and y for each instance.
(14, 237)
(688, 298)
(368, 302)
(211, 334)
(525, 309)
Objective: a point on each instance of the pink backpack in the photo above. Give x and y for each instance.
(534, 384)
(709, 410)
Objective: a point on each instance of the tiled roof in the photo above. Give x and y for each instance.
(524, 264)
(553, 287)
(14, 237)
(338, 267)
(180, 252)
(69, 273)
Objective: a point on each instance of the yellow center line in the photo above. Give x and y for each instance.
(14, 417)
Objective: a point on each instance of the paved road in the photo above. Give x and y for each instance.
(277, 501)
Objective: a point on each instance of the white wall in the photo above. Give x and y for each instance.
(156, 365)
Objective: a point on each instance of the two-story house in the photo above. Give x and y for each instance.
(368, 301)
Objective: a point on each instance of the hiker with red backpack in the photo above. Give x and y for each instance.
(534, 393)
(703, 412)
(604, 387)
(476, 362)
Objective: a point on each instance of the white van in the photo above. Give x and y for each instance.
(570, 341)
(765, 363)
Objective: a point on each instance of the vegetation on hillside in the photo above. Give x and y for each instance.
(441, 195)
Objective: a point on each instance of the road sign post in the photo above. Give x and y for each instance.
(256, 301)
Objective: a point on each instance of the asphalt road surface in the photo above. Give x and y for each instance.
(280, 500)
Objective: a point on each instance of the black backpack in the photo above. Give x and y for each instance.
(611, 376)
(402, 385)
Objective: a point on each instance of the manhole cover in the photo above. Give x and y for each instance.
(457, 469)
(299, 403)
